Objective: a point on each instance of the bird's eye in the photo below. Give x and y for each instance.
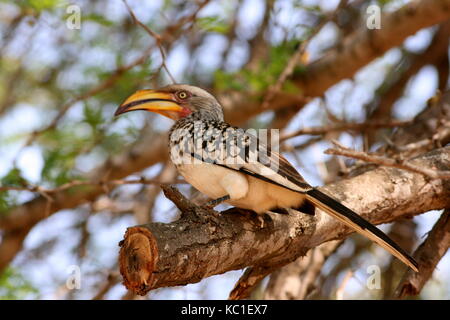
(182, 95)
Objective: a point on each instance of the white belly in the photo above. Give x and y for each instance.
(245, 191)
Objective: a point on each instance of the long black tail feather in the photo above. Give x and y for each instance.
(358, 223)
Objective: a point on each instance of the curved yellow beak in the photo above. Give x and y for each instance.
(151, 100)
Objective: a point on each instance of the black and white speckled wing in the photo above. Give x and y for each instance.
(234, 148)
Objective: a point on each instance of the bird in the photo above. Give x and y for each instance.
(237, 166)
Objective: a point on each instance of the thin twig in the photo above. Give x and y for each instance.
(344, 127)
(112, 279)
(442, 133)
(155, 36)
(388, 162)
(341, 289)
(115, 75)
(46, 192)
(296, 57)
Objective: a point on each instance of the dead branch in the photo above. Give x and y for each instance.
(388, 162)
(203, 243)
(297, 280)
(77, 183)
(345, 127)
(428, 255)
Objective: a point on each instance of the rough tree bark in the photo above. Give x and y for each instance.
(203, 243)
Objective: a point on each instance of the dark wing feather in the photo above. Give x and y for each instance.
(256, 158)
(272, 167)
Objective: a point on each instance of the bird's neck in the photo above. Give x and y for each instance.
(210, 115)
(204, 115)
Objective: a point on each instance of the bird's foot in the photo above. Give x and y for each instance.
(208, 214)
(213, 203)
(260, 218)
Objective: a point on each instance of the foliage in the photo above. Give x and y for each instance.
(266, 73)
(213, 24)
(14, 286)
(12, 179)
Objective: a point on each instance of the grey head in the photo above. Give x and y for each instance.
(203, 105)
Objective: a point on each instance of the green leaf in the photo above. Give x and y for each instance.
(213, 24)
(98, 19)
(5, 202)
(41, 5)
(61, 147)
(14, 286)
(92, 116)
(13, 179)
(266, 74)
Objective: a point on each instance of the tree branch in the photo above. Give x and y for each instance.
(199, 244)
(388, 162)
(298, 279)
(428, 255)
(77, 183)
(349, 126)
(365, 45)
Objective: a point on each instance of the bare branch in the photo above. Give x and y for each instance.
(248, 282)
(111, 280)
(297, 57)
(155, 36)
(345, 127)
(77, 183)
(199, 244)
(388, 162)
(298, 279)
(428, 255)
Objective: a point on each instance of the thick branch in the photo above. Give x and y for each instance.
(196, 246)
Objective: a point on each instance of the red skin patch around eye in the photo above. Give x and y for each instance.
(185, 112)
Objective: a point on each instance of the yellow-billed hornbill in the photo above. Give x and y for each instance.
(229, 164)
